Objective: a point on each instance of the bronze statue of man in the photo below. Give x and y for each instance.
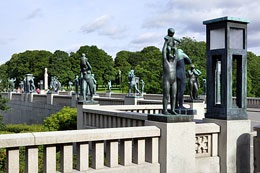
(169, 53)
(182, 60)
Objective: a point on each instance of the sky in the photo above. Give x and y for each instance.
(113, 25)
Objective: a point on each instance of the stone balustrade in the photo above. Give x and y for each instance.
(115, 99)
(206, 134)
(114, 116)
(135, 147)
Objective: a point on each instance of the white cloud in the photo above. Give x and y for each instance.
(34, 14)
(146, 38)
(97, 24)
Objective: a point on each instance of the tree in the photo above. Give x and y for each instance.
(28, 62)
(121, 64)
(197, 53)
(253, 75)
(3, 107)
(3, 77)
(60, 66)
(150, 69)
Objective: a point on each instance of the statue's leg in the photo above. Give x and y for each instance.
(195, 91)
(91, 89)
(191, 90)
(137, 89)
(178, 93)
(173, 97)
(84, 89)
(166, 91)
(181, 93)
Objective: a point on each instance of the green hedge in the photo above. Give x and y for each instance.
(65, 119)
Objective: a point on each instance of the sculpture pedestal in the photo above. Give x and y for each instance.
(234, 139)
(170, 118)
(176, 146)
(87, 102)
(198, 105)
(132, 100)
(108, 94)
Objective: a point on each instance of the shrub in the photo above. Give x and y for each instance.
(21, 128)
(65, 119)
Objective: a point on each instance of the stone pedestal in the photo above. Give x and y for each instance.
(132, 100)
(234, 144)
(9, 95)
(198, 105)
(177, 146)
(49, 98)
(30, 97)
(108, 94)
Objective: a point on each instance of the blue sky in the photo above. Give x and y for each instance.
(113, 25)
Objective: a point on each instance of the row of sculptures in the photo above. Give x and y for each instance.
(173, 79)
(88, 83)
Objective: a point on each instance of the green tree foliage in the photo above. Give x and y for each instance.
(65, 119)
(29, 62)
(150, 69)
(60, 66)
(3, 107)
(197, 53)
(253, 75)
(124, 66)
(3, 77)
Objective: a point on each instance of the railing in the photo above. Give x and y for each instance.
(115, 99)
(115, 116)
(135, 147)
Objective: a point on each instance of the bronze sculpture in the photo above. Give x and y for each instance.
(182, 60)
(193, 82)
(169, 53)
(86, 81)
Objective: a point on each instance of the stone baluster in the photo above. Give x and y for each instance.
(139, 151)
(125, 152)
(152, 150)
(112, 153)
(82, 150)
(31, 159)
(49, 158)
(12, 160)
(97, 154)
(66, 157)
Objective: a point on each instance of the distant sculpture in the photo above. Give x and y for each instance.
(193, 82)
(94, 84)
(11, 84)
(70, 85)
(132, 82)
(86, 81)
(76, 83)
(169, 54)
(31, 85)
(204, 86)
(55, 85)
(142, 83)
(109, 85)
(182, 60)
